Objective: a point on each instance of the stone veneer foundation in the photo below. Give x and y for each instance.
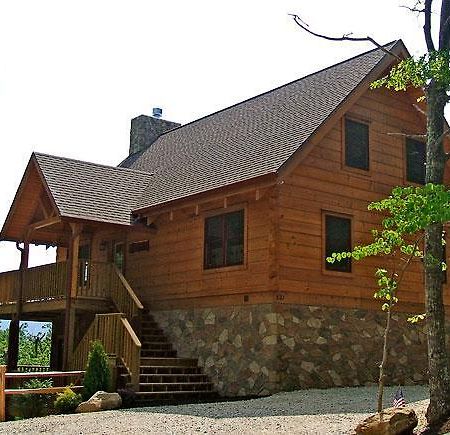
(263, 349)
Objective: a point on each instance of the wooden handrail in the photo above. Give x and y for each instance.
(118, 338)
(128, 288)
(123, 295)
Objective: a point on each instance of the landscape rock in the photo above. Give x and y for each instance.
(100, 401)
(392, 421)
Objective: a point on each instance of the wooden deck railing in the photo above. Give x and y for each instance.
(45, 282)
(117, 337)
(95, 280)
(9, 282)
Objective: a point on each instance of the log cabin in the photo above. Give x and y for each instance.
(199, 261)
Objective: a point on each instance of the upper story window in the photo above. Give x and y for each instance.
(356, 145)
(224, 240)
(415, 161)
(338, 239)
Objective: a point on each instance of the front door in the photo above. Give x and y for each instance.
(119, 256)
(84, 255)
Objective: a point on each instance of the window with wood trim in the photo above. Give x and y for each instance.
(338, 239)
(142, 245)
(224, 240)
(356, 145)
(415, 161)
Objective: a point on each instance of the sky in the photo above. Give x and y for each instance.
(74, 73)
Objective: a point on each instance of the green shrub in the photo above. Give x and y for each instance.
(98, 374)
(33, 405)
(67, 401)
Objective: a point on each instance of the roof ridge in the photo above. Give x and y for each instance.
(92, 163)
(395, 41)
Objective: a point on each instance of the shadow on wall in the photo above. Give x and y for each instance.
(304, 402)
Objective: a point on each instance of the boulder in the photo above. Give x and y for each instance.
(391, 421)
(100, 401)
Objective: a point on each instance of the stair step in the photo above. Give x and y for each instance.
(171, 378)
(162, 353)
(170, 362)
(156, 345)
(152, 331)
(175, 387)
(149, 338)
(170, 370)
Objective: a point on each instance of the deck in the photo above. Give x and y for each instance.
(44, 288)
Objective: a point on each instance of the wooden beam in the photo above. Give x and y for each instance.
(211, 196)
(71, 290)
(14, 326)
(44, 223)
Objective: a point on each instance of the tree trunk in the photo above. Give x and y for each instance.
(438, 362)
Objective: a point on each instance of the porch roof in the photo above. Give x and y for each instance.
(56, 187)
(91, 191)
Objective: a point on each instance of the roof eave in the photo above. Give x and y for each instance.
(270, 179)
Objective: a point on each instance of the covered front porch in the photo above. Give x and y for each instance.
(90, 232)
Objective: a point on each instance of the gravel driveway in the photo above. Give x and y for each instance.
(332, 411)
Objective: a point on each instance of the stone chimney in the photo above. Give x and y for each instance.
(146, 129)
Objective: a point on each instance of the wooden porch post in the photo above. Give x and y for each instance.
(71, 291)
(13, 337)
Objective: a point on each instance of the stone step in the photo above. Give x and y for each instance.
(146, 338)
(158, 353)
(171, 362)
(174, 387)
(154, 378)
(152, 331)
(170, 370)
(155, 345)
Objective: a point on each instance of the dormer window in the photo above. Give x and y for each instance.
(356, 145)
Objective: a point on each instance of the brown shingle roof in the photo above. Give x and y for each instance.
(250, 139)
(253, 138)
(90, 191)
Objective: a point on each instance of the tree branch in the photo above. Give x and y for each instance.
(344, 37)
(427, 26)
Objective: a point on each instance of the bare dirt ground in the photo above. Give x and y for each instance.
(332, 411)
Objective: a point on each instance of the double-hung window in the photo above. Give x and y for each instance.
(415, 161)
(356, 145)
(337, 239)
(224, 240)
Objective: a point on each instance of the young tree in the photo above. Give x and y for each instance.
(431, 72)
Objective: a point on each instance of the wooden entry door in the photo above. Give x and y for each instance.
(84, 256)
(119, 255)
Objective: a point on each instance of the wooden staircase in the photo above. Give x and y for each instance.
(164, 377)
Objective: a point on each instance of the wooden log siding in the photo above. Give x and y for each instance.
(117, 337)
(322, 183)
(171, 274)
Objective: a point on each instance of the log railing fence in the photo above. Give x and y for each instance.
(4, 377)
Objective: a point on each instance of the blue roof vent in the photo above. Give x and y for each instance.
(157, 112)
